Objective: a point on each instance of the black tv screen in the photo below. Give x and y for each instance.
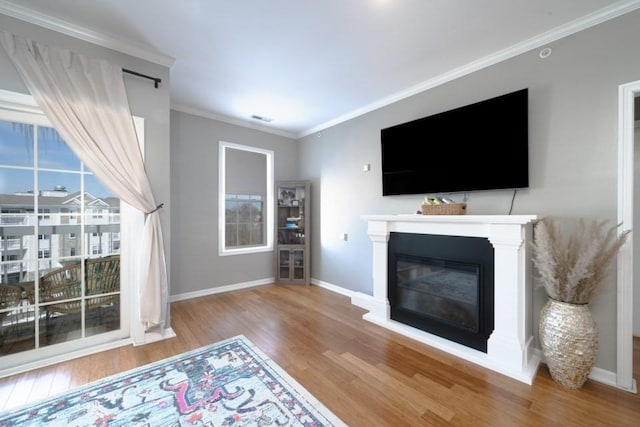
(481, 146)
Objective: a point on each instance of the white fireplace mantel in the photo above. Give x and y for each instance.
(509, 348)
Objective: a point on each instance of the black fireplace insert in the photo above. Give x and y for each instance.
(443, 285)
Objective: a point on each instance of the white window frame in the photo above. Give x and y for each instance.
(268, 220)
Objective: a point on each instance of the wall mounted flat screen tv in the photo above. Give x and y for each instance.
(481, 146)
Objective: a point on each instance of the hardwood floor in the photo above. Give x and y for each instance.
(367, 375)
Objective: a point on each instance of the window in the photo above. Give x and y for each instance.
(244, 226)
(41, 183)
(245, 200)
(44, 253)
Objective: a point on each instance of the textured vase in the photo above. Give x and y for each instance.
(569, 340)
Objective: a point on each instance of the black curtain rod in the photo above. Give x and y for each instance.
(156, 81)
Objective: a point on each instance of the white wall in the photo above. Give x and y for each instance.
(573, 101)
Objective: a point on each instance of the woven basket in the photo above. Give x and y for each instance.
(445, 209)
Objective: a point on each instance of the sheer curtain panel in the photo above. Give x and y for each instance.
(86, 101)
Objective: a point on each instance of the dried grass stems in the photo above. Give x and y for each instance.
(571, 269)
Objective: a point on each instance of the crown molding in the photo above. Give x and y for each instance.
(61, 26)
(232, 121)
(580, 24)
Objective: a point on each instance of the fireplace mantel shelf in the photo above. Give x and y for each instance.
(509, 348)
(462, 219)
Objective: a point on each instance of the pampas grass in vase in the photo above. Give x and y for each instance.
(571, 271)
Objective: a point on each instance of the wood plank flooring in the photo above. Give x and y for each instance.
(367, 375)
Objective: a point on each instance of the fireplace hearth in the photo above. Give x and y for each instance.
(443, 285)
(502, 337)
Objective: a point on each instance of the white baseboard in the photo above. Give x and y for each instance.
(603, 376)
(221, 289)
(332, 288)
(362, 300)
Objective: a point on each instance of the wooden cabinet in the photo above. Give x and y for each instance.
(292, 232)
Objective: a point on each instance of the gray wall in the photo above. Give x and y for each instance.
(145, 101)
(196, 265)
(573, 155)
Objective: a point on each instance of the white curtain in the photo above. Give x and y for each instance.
(86, 101)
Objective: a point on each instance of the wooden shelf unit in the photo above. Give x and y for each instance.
(292, 232)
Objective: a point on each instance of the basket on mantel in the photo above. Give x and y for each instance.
(445, 209)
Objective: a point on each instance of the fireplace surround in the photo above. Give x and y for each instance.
(509, 346)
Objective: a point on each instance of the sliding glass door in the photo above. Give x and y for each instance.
(59, 244)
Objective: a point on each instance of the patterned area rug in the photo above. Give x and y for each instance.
(230, 383)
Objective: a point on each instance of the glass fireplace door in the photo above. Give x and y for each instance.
(444, 290)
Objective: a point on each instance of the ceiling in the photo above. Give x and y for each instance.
(310, 64)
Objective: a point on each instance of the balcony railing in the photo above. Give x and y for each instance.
(14, 219)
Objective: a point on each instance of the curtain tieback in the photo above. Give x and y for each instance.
(160, 206)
